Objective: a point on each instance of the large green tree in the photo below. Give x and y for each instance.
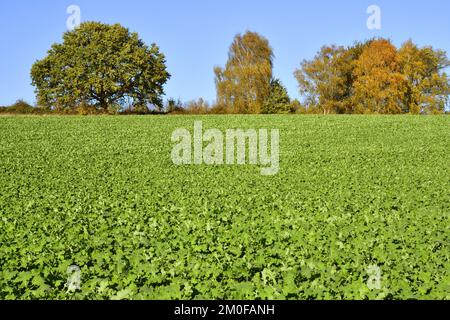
(100, 65)
(244, 84)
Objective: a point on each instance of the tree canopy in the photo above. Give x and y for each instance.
(427, 86)
(375, 77)
(379, 86)
(326, 81)
(100, 65)
(244, 84)
(278, 100)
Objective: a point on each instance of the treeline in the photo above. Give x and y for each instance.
(21, 107)
(102, 68)
(24, 108)
(369, 77)
(376, 77)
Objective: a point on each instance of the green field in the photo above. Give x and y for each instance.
(102, 193)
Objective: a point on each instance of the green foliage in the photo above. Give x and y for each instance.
(278, 100)
(101, 65)
(351, 192)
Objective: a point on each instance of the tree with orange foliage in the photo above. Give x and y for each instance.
(375, 77)
(380, 86)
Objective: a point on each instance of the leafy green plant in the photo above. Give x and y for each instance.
(102, 194)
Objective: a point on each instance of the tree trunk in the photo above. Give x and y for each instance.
(103, 104)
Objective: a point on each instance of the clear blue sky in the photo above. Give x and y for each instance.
(195, 34)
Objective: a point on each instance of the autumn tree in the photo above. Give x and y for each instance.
(427, 85)
(379, 86)
(278, 100)
(244, 84)
(375, 77)
(326, 81)
(100, 65)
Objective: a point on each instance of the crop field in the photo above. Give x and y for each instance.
(353, 194)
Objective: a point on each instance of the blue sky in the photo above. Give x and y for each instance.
(195, 34)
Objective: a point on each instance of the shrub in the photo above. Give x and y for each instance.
(174, 106)
(295, 105)
(85, 109)
(219, 108)
(199, 106)
(20, 107)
